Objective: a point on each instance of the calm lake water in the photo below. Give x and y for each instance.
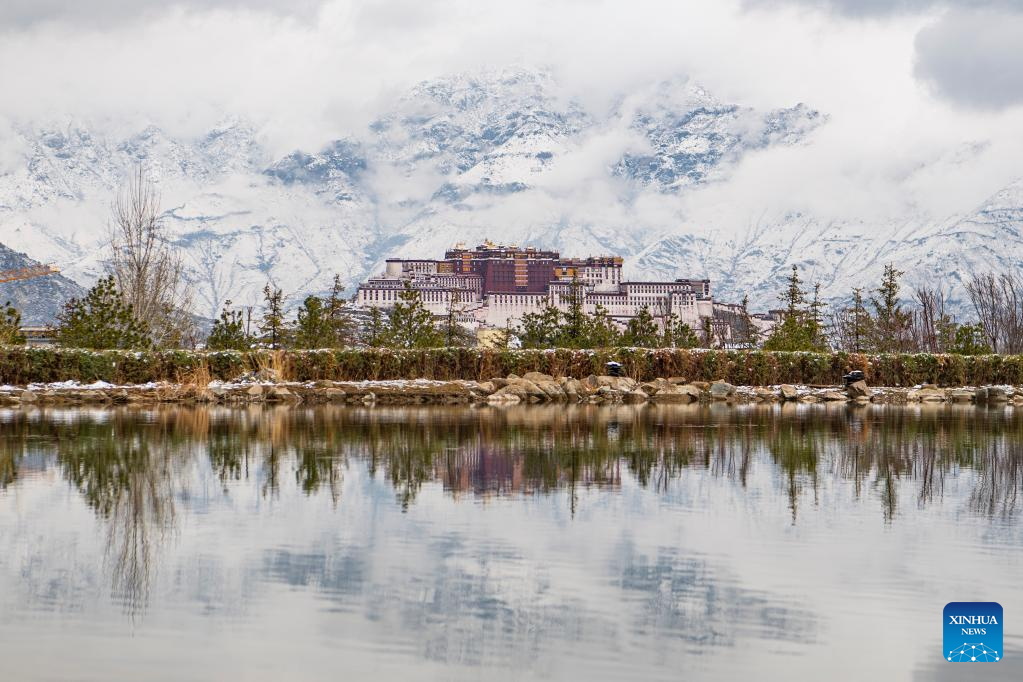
(574, 543)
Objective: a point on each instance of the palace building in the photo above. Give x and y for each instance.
(493, 286)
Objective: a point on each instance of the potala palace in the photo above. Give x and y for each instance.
(493, 286)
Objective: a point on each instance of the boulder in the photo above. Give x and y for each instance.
(623, 384)
(254, 391)
(809, 398)
(635, 397)
(834, 396)
(28, 396)
(858, 389)
(501, 398)
(764, 395)
(961, 395)
(335, 395)
(702, 385)
(997, 394)
(721, 390)
(980, 395)
(606, 394)
(677, 380)
(537, 377)
(788, 392)
(534, 392)
(677, 394)
(931, 394)
(486, 387)
(282, 394)
(514, 392)
(573, 389)
(552, 389)
(652, 387)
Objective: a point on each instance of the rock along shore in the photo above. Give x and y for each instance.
(533, 387)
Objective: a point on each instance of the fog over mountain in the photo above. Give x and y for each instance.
(726, 140)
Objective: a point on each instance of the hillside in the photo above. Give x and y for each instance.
(493, 155)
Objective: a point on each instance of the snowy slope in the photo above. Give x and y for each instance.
(499, 155)
(39, 299)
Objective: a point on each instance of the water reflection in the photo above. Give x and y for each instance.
(513, 538)
(124, 461)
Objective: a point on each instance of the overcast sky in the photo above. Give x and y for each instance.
(923, 96)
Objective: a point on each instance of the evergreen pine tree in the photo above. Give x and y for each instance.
(273, 325)
(891, 329)
(541, 329)
(374, 333)
(642, 331)
(601, 331)
(10, 326)
(573, 332)
(969, 339)
(862, 323)
(681, 335)
(815, 320)
(340, 321)
(747, 335)
(411, 325)
(228, 332)
(313, 325)
(801, 329)
(101, 320)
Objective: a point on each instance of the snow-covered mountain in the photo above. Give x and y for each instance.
(464, 158)
(39, 299)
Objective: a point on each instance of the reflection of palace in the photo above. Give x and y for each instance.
(130, 466)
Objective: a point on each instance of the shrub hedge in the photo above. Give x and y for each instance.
(21, 365)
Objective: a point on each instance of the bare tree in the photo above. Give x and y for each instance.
(148, 271)
(930, 322)
(998, 301)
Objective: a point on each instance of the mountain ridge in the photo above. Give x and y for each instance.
(499, 155)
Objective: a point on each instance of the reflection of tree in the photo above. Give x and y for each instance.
(125, 472)
(535, 450)
(124, 462)
(14, 439)
(794, 446)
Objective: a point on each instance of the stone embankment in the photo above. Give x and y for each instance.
(533, 387)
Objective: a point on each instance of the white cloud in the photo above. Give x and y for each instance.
(328, 69)
(973, 58)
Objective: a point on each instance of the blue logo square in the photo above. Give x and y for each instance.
(973, 632)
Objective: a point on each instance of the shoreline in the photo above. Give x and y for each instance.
(532, 388)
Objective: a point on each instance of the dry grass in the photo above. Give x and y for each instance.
(275, 363)
(199, 375)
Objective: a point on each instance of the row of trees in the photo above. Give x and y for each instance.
(141, 304)
(551, 327)
(879, 321)
(328, 323)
